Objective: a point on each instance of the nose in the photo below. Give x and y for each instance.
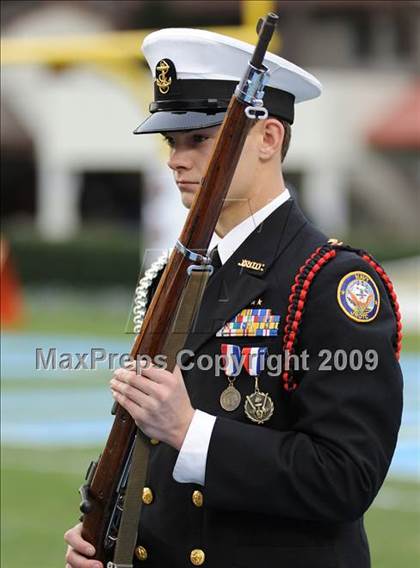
(179, 159)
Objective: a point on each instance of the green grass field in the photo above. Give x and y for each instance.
(39, 498)
(40, 501)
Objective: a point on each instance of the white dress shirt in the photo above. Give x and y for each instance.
(190, 466)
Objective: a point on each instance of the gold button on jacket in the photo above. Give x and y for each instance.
(197, 557)
(197, 498)
(141, 553)
(147, 496)
(154, 442)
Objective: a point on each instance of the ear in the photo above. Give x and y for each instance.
(272, 138)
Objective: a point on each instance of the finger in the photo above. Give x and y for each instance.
(124, 375)
(141, 383)
(73, 537)
(130, 365)
(136, 412)
(148, 386)
(76, 560)
(140, 399)
(178, 373)
(156, 374)
(133, 394)
(132, 368)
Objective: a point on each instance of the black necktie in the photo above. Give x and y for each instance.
(215, 259)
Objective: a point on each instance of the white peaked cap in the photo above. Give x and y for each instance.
(215, 60)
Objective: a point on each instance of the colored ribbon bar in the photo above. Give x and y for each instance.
(231, 359)
(254, 359)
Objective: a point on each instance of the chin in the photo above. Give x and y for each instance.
(187, 198)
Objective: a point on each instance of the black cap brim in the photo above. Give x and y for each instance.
(171, 121)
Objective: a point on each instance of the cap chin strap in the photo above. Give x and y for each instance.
(207, 105)
(187, 95)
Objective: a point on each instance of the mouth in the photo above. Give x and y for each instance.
(187, 185)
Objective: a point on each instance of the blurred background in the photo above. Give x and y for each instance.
(82, 200)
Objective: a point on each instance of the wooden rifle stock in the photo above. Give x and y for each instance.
(99, 492)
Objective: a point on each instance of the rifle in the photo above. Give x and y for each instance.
(106, 480)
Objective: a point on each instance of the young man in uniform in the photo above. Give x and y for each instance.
(260, 465)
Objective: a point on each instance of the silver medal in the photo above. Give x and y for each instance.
(230, 398)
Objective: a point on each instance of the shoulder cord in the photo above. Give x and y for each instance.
(391, 295)
(299, 292)
(141, 298)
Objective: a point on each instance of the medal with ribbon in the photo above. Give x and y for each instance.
(258, 406)
(230, 398)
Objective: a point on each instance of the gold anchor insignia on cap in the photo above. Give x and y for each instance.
(162, 81)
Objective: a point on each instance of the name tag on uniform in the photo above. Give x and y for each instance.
(252, 265)
(251, 322)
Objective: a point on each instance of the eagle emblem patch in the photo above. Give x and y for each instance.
(358, 297)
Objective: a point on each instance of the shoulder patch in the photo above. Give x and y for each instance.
(358, 296)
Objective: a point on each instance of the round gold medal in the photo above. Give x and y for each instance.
(230, 399)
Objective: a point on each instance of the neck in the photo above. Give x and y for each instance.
(236, 211)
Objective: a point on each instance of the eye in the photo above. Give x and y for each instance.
(199, 138)
(169, 141)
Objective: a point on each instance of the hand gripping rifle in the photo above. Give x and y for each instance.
(104, 494)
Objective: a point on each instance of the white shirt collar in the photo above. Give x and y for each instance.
(236, 236)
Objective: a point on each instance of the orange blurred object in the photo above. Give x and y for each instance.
(11, 301)
(399, 128)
